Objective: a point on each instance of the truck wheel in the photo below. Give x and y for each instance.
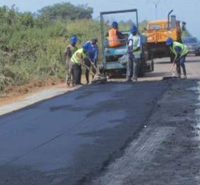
(141, 70)
(152, 65)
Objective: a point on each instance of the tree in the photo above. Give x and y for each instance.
(66, 11)
(27, 19)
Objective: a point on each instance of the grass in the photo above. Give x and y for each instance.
(38, 53)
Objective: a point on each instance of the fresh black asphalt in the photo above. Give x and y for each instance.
(75, 135)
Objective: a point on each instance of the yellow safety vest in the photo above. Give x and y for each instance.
(75, 59)
(135, 41)
(184, 48)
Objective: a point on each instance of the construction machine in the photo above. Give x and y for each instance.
(112, 64)
(157, 33)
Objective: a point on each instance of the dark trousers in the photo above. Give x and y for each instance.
(88, 64)
(180, 63)
(69, 76)
(132, 68)
(76, 74)
(87, 72)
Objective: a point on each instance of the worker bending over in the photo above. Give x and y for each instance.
(91, 60)
(70, 50)
(180, 51)
(77, 60)
(134, 44)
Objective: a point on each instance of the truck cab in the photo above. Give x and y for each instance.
(157, 33)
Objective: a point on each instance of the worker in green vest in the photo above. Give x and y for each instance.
(77, 60)
(180, 51)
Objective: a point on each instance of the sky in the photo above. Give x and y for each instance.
(185, 10)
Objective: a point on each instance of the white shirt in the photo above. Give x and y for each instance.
(134, 40)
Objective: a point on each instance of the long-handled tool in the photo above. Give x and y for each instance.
(172, 67)
(98, 78)
(172, 75)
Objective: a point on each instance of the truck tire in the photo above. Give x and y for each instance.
(152, 65)
(141, 70)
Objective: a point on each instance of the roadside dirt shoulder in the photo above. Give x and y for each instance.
(15, 98)
(16, 93)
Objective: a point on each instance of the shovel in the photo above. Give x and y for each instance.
(98, 78)
(172, 75)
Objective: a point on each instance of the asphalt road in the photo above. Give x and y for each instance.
(117, 133)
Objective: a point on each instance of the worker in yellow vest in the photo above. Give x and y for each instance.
(180, 51)
(77, 60)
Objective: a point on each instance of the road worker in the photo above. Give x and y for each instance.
(77, 60)
(91, 59)
(180, 51)
(134, 44)
(114, 36)
(70, 50)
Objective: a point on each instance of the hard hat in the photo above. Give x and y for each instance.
(87, 46)
(169, 41)
(134, 29)
(73, 39)
(115, 24)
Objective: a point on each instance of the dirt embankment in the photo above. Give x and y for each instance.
(16, 93)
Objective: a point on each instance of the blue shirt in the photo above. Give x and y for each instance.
(93, 55)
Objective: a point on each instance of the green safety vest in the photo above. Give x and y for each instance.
(75, 59)
(135, 41)
(184, 48)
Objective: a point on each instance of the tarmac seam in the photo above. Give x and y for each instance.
(136, 157)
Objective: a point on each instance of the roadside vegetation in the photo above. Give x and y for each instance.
(32, 45)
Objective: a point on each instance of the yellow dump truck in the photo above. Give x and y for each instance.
(157, 33)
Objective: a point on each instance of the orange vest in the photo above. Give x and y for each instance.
(113, 38)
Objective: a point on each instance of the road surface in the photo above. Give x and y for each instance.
(113, 134)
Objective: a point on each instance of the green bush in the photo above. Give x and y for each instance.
(32, 50)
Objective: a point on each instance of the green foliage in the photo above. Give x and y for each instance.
(33, 48)
(66, 11)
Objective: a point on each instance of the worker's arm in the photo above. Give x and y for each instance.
(138, 45)
(79, 56)
(120, 35)
(131, 48)
(178, 51)
(95, 58)
(68, 53)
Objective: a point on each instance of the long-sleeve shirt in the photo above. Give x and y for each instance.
(93, 55)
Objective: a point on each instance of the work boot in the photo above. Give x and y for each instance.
(128, 80)
(134, 79)
(185, 76)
